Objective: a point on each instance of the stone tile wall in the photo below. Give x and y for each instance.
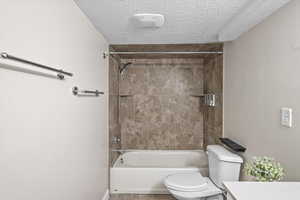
(114, 127)
(213, 83)
(152, 105)
(157, 109)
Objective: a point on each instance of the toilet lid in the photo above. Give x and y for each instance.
(186, 182)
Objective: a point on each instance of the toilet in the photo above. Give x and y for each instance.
(223, 166)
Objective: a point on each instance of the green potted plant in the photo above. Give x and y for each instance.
(264, 169)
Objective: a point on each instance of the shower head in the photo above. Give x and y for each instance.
(124, 67)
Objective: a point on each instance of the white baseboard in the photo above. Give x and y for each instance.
(106, 195)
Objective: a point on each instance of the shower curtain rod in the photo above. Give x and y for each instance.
(164, 52)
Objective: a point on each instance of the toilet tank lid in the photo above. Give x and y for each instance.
(223, 154)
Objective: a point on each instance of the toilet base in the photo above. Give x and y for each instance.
(216, 197)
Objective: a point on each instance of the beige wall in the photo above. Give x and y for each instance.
(262, 75)
(53, 145)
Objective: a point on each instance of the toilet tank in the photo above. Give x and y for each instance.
(223, 165)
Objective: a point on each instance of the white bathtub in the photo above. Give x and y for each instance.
(143, 172)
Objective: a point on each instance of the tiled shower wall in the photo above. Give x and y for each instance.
(114, 127)
(154, 103)
(158, 107)
(213, 83)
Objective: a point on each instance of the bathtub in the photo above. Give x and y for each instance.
(143, 172)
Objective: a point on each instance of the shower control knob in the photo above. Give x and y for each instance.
(116, 140)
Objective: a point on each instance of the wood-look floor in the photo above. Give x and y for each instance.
(141, 197)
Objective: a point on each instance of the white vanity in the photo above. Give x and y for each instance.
(262, 191)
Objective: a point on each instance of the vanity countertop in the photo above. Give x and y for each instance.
(263, 191)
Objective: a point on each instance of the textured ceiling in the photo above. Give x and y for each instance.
(187, 21)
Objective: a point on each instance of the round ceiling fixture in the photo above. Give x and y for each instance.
(149, 20)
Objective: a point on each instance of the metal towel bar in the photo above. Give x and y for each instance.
(60, 72)
(76, 91)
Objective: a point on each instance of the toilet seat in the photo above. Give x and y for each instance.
(191, 186)
(188, 182)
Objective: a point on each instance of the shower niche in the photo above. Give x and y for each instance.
(162, 100)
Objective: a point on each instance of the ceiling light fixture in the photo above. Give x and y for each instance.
(149, 20)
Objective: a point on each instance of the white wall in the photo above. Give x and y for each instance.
(53, 145)
(262, 74)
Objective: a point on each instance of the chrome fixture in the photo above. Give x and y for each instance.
(104, 55)
(60, 72)
(76, 91)
(164, 52)
(124, 67)
(209, 99)
(116, 140)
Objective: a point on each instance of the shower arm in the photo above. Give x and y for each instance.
(124, 67)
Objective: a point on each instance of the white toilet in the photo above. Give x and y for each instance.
(223, 166)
